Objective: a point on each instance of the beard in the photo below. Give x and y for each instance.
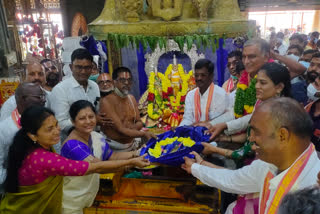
(37, 82)
(125, 92)
(106, 92)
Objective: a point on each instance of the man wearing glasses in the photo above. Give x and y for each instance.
(105, 84)
(77, 87)
(106, 87)
(122, 108)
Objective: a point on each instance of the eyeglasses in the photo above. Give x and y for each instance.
(79, 67)
(124, 80)
(104, 82)
(40, 97)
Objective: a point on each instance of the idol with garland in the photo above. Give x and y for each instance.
(163, 103)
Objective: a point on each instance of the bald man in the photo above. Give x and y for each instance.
(105, 84)
(35, 73)
(106, 87)
(26, 95)
(287, 161)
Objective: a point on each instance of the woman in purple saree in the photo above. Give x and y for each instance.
(86, 145)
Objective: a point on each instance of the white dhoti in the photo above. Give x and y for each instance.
(121, 147)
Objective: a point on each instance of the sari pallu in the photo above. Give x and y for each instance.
(42, 198)
(80, 191)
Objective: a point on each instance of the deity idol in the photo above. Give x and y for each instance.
(166, 94)
(175, 77)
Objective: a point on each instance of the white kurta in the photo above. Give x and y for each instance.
(250, 179)
(233, 125)
(219, 105)
(67, 92)
(8, 106)
(8, 130)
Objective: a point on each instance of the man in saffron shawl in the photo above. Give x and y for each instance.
(287, 161)
(207, 101)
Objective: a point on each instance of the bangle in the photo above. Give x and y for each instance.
(201, 162)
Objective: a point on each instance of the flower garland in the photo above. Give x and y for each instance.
(178, 101)
(164, 147)
(168, 101)
(151, 97)
(245, 96)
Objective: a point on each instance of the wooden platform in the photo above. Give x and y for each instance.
(168, 190)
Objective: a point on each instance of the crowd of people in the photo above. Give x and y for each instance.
(57, 134)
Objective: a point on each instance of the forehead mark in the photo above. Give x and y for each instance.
(125, 74)
(104, 77)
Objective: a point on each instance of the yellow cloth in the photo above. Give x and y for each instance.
(42, 198)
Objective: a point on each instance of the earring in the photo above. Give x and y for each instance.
(35, 142)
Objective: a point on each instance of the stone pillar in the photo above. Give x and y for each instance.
(7, 56)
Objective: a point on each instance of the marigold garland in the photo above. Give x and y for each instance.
(179, 100)
(168, 98)
(245, 96)
(151, 97)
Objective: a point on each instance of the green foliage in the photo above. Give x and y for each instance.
(200, 40)
(245, 97)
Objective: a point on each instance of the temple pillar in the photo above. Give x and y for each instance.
(7, 55)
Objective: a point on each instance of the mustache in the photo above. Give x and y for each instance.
(37, 81)
(108, 90)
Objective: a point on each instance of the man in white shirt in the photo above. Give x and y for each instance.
(27, 94)
(255, 54)
(207, 101)
(77, 87)
(281, 130)
(35, 73)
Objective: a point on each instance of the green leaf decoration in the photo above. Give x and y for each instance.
(224, 37)
(144, 42)
(197, 38)
(161, 43)
(189, 41)
(213, 42)
(132, 41)
(116, 41)
(136, 42)
(122, 38)
(205, 40)
(180, 41)
(201, 40)
(126, 41)
(152, 41)
(165, 41)
(108, 36)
